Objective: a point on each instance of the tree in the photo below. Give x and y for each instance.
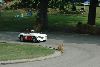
(43, 13)
(30, 3)
(92, 12)
(62, 4)
(25, 4)
(9, 0)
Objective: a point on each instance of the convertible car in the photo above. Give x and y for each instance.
(32, 36)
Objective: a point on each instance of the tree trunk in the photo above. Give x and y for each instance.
(92, 12)
(43, 13)
(0, 13)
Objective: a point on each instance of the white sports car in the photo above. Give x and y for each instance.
(35, 37)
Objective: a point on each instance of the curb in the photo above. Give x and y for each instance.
(56, 54)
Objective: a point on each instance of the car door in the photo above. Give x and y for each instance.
(29, 37)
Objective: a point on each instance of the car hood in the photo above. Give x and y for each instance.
(38, 34)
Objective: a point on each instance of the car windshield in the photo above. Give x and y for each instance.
(32, 31)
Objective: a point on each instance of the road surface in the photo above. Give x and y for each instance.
(80, 50)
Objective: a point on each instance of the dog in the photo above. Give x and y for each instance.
(60, 48)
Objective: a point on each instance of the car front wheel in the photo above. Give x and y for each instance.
(34, 39)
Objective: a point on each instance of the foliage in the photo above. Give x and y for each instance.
(25, 4)
(9, 0)
(61, 4)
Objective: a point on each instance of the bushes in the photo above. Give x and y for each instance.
(87, 29)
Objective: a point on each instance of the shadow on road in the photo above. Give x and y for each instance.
(65, 37)
(75, 38)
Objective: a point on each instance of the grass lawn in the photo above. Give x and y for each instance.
(8, 21)
(22, 51)
(87, 10)
(65, 20)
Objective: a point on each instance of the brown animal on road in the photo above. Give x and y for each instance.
(60, 48)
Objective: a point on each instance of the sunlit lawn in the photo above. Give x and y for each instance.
(22, 51)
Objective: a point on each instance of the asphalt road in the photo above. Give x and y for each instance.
(80, 50)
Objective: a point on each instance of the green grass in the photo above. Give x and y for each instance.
(22, 51)
(8, 21)
(65, 20)
(87, 10)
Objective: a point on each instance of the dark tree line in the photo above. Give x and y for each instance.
(51, 3)
(25, 4)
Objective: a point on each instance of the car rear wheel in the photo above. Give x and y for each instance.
(21, 38)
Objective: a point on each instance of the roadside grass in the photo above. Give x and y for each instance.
(10, 51)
